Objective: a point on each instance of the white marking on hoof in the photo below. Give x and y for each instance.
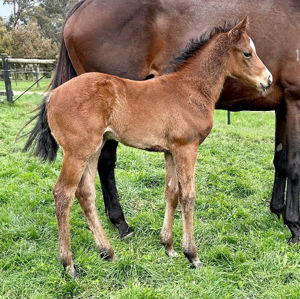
(171, 253)
(298, 56)
(71, 271)
(128, 235)
(197, 263)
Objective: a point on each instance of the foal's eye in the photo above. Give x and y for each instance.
(247, 54)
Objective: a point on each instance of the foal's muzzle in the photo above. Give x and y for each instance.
(268, 84)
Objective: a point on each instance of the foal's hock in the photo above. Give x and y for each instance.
(172, 114)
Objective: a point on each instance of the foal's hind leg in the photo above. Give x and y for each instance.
(63, 192)
(171, 195)
(85, 194)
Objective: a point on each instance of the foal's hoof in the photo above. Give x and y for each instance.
(197, 263)
(294, 240)
(171, 253)
(71, 271)
(107, 255)
(193, 258)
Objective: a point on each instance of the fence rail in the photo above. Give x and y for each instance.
(31, 61)
(27, 65)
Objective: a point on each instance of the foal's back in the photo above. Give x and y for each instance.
(137, 113)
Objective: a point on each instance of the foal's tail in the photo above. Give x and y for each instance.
(40, 137)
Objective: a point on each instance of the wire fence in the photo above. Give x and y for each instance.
(26, 73)
(19, 69)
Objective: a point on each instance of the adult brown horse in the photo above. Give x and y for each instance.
(176, 110)
(136, 39)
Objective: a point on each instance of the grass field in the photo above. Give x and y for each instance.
(243, 246)
(23, 85)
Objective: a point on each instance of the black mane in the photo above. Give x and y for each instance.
(194, 45)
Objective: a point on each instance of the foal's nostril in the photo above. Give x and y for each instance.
(268, 85)
(270, 80)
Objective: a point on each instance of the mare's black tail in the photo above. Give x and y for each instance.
(40, 138)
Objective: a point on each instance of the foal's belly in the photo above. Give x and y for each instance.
(137, 138)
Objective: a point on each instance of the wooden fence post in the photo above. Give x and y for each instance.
(228, 117)
(6, 74)
(37, 75)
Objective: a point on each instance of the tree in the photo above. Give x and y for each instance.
(21, 11)
(5, 38)
(28, 42)
(34, 28)
(51, 16)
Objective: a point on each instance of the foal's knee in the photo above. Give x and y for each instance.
(172, 191)
(83, 192)
(86, 198)
(188, 202)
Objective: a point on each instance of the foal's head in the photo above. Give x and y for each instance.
(244, 62)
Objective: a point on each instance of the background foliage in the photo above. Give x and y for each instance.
(33, 29)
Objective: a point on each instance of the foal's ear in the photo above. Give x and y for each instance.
(236, 31)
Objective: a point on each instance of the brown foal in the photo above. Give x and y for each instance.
(171, 114)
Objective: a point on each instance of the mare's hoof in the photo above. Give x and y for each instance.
(125, 231)
(294, 240)
(278, 210)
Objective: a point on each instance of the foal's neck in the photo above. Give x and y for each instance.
(208, 68)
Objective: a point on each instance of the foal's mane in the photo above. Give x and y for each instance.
(194, 45)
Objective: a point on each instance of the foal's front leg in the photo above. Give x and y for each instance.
(171, 195)
(185, 159)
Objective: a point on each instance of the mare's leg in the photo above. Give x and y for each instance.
(63, 192)
(171, 195)
(291, 212)
(106, 166)
(86, 195)
(280, 163)
(185, 159)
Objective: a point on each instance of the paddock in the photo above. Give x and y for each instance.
(242, 245)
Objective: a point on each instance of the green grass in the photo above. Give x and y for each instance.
(243, 246)
(23, 85)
